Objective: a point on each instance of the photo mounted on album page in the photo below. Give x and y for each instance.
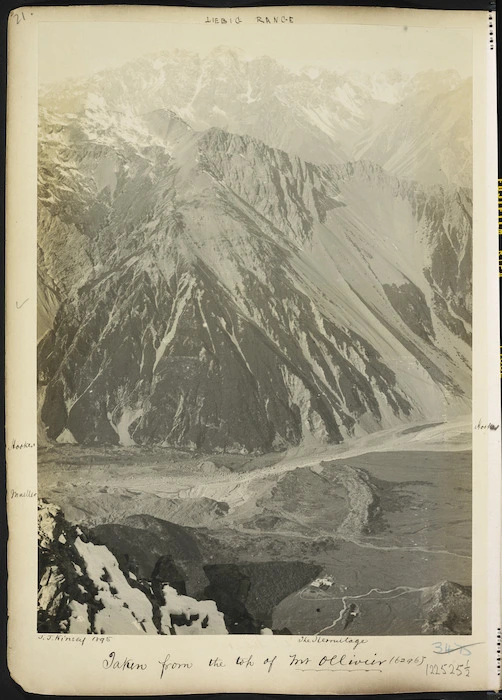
(253, 393)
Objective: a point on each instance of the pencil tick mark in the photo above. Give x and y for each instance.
(19, 306)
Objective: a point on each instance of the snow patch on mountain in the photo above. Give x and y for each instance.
(203, 617)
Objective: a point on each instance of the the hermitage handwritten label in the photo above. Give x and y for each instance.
(347, 654)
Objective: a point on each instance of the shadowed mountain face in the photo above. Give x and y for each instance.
(204, 290)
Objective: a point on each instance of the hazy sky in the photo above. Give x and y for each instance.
(75, 49)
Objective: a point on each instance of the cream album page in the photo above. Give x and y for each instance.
(253, 397)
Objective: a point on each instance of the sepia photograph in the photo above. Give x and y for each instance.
(252, 351)
(254, 318)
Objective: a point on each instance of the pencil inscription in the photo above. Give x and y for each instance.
(23, 445)
(282, 19)
(115, 663)
(480, 425)
(28, 493)
(170, 665)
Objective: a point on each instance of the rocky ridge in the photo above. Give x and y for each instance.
(222, 295)
(414, 126)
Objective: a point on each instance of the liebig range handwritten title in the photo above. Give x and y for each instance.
(260, 19)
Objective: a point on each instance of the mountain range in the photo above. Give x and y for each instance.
(234, 257)
(415, 126)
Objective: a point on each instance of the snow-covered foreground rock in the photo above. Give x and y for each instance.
(84, 590)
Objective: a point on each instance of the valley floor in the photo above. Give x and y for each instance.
(373, 537)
